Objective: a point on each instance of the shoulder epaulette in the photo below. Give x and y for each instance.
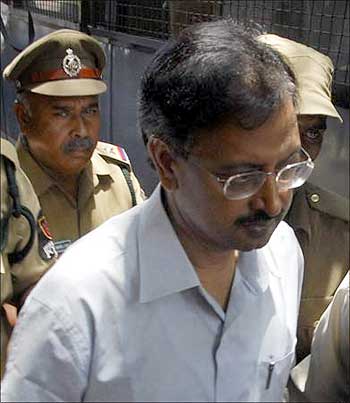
(113, 152)
(327, 202)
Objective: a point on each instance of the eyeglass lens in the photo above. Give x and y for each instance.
(245, 185)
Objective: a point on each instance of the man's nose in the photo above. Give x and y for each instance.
(79, 129)
(269, 199)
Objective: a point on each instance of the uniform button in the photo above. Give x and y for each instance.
(315, 198)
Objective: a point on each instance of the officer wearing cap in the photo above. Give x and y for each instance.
(320, 218)
(27, 250)
(80, 182)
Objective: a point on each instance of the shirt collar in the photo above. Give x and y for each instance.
(254, 269)
(164, 266)
(256, 266)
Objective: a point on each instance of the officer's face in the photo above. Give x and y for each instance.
(196, 201)
(62, 132)
(312, 129)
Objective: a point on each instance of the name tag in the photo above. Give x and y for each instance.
(62, 245)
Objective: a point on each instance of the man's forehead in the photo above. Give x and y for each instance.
(57, 101)
(231, 132)
(273, 141)
(312, 120)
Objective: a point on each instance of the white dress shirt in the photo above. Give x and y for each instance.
(123, 317)
(328, 378)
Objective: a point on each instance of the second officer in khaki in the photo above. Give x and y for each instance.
(80, 181)
(320, 218)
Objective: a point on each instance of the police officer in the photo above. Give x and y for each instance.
(80, 182)
(27, 250)
(320, 218)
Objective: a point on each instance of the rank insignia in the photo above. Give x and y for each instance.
(71, 64)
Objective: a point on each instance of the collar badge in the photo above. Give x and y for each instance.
(71, 64)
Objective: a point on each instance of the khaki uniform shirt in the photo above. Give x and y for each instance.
(16, 278)
(321, 222)
(103, 192)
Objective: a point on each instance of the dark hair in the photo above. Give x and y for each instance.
(212, 73)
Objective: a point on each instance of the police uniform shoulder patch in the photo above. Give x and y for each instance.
(47, 249)
(327, 202)
(113, 152)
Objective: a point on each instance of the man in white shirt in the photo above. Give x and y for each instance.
(328, 378)
(193, 295)
(324, 375)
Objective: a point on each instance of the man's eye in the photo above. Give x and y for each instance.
(243, 179)
(313, 134)
(61, 114)
(91, 111)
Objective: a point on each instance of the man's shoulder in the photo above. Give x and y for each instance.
(15, 176)
(8, 150)
(113, 154)
(105, 258)
(110, 240)
(327, 202)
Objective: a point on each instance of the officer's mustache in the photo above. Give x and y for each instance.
(78, 144)
(260, 217)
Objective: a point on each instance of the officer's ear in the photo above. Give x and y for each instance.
(164, 162)
(23, 117)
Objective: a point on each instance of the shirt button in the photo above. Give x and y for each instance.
(315, 198)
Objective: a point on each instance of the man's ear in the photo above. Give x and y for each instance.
(164, 162)
(24, 119)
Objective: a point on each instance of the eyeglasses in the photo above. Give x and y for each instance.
(243, 185)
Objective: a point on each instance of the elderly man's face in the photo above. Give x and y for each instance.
(62, 132)
(312, 129)
(197, 201)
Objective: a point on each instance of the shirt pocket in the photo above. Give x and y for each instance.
(273, 377)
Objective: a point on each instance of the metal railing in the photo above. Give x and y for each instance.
(321, 24)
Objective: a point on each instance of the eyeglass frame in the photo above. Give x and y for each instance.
(277, 174)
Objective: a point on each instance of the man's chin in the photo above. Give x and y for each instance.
(80, 154)
(75, 168)
(255, 240)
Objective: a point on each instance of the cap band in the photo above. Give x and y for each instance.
(42, 76)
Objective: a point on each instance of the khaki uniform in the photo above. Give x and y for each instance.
(103, 193)
(321, 222)
(17, 277)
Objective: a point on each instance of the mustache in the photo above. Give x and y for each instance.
(78, 143)
(260, 217)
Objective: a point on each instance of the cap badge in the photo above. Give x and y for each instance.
(71, 63)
